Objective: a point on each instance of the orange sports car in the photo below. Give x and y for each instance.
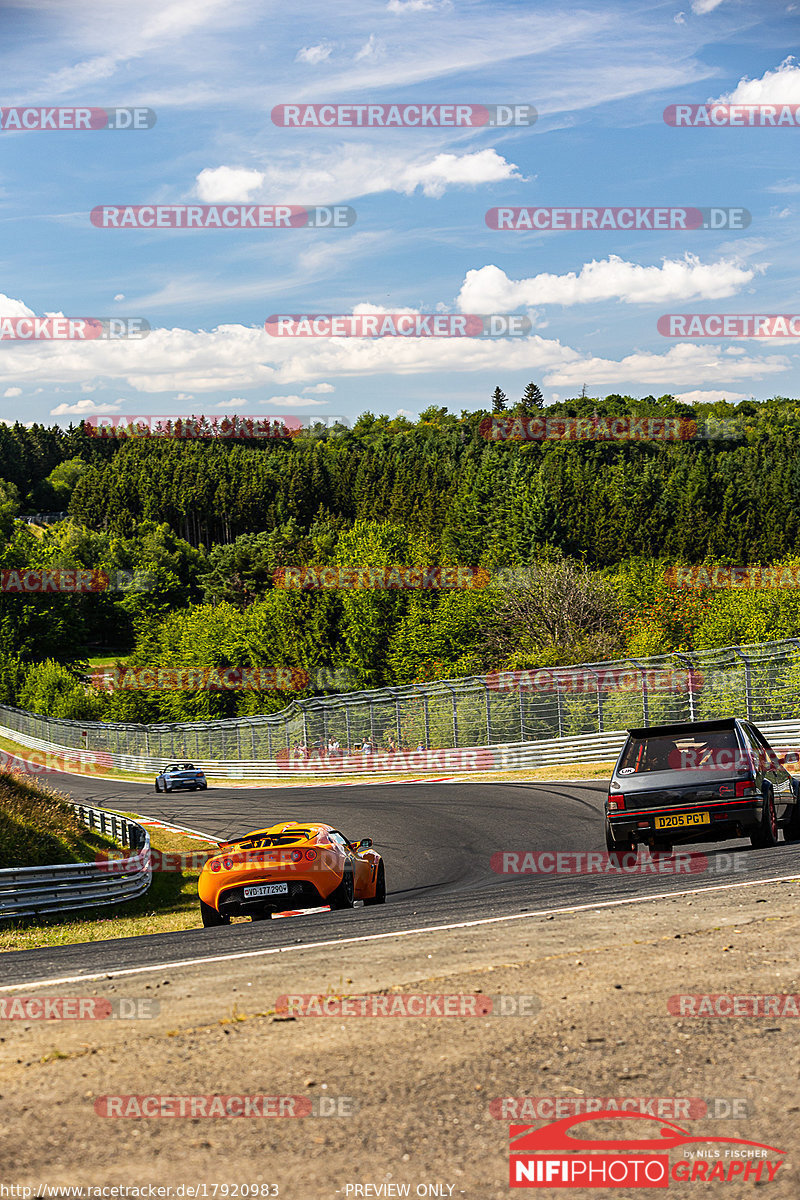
(289, 866)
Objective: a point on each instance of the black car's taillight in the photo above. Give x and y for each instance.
(616, 802)
(743, 786)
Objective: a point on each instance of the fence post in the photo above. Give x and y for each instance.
(645, 703)
(599, 700)
(347, 723)
(269, 741)
(558, 703)
(689, 680)
(397, 723)
(488, 719)
(748, 691)
(427, 721)
(521, 715)
(253, 740)
(372, 722)
(455, 718)
(305, 728)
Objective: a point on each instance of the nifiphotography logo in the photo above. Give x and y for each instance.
(553, 1157)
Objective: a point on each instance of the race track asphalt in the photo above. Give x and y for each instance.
(437, 841)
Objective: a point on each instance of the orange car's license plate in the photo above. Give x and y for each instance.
(266, 889)
(683, 820)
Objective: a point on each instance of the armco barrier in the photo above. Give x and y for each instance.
(29, 891)
(509, 756)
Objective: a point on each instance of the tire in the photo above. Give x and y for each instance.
(610, 843)
(211, 916)
(203, 787)
(380, 888)
(766, 835)
(791, 830)
(344, 895)
(167, 786)
(158, 789)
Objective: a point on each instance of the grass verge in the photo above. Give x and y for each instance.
(39, 827)
(169, 906)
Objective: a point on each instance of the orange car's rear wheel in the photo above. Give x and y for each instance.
(212, 916)
(380, 888)
(344, 895)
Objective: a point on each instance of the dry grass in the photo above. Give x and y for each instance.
(39, 827)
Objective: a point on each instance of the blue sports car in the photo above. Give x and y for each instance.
(180, 775)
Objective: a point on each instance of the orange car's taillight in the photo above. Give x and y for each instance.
(311, 854)
(297, 855)
(215, 864)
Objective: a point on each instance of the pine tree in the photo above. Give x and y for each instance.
(499, 400)
(532, 399)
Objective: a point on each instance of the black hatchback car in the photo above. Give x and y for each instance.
(703, 781)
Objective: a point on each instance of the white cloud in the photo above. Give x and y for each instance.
(227, 185)
(785, 186)
(331, 176)
(84, 408)
(781, 86)
(683, 364)
(373, 49)
(412, 6)
(470, 170)
(9, 393)
(405, 412)
(293, 402)
(119, 296)
(184, 396)
(489, 290)
(235, 402)
(680, 18)
(13, 308)
(320, 389)
(705, 6)
(710, 397)
(314, 54)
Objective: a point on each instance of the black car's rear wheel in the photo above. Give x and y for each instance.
(766, 834)
(380, 888)
(344, 895)
(211, 916)
(158, 789)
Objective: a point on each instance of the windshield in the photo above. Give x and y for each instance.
(715, 750)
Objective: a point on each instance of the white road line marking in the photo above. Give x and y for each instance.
(376, 937)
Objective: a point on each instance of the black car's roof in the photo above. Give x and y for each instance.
(685, 727)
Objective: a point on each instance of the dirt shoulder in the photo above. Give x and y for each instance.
(421, 1089)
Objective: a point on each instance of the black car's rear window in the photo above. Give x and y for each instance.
(716, 750)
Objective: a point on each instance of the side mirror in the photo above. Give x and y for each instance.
(364, 844)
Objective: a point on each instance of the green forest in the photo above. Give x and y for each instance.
(573, 540)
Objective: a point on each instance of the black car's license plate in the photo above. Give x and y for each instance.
(683, 820)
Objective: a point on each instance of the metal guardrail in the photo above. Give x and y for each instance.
(550, 713)
(29, 891)
(508, 756)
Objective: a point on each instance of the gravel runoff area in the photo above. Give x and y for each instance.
(419, 1091)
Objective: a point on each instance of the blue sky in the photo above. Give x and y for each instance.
(599, 74)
